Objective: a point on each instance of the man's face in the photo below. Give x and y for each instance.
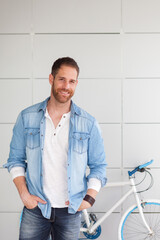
(64, 83)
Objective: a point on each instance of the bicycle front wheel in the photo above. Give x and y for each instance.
(132, 227)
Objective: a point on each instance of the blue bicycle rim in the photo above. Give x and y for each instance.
(147, 203)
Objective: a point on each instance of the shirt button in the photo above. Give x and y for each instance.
(54, 134)
(59, 125)
(69, 178)
(41, 122)
(64, 116)
(42, 135)
(42, 149)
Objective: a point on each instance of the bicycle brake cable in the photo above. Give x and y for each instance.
(151, 182)
(142, 179)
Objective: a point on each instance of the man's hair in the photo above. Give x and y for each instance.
(65, 61)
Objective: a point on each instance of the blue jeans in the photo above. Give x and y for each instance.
(62, 225)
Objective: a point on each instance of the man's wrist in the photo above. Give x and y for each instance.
(24, 195)
(89, 199)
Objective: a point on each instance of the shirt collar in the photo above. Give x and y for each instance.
(74, 108)
(43, 105)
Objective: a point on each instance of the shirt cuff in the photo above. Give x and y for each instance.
(95, 184)
(17, 172)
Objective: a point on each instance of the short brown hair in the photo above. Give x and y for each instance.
(67, 61)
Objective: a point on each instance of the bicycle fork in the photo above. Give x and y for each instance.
(140, 208)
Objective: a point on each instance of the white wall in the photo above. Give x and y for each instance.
(116, 44)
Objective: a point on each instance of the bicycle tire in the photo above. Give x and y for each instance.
(131, 226)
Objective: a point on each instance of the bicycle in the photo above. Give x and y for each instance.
(140, 221)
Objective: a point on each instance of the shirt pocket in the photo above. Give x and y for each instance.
(80, 142)
(32, 137)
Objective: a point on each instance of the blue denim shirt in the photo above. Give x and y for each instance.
(85, 148)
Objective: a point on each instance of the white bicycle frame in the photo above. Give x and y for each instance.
(91, 227)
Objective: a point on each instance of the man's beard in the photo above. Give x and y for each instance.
(60, 97)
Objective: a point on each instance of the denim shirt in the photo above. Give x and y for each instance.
(85, 148)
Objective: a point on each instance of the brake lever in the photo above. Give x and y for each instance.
(143, 169)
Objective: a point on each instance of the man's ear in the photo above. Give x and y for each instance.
(51, 79)
(76, 82)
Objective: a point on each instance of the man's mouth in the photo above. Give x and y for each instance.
(64, 93)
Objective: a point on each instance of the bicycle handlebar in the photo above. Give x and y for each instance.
(139, 167)
(146, 164)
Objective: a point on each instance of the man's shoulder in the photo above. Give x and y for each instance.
(34, 108)
(83, 113)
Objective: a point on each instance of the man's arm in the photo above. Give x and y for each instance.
(85, 204)
(94, 186)
(96, 155)
(17, 155)
(97, 164)
(16, 164)
(29, 201)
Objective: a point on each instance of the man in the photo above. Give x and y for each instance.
(52, 144)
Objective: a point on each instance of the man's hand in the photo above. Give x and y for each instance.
(31, 201)
(84, 205)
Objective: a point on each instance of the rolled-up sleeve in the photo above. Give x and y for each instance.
(96, 155)
(17, 155)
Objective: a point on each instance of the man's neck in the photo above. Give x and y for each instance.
(56, 108)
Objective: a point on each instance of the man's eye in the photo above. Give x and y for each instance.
(73, 82)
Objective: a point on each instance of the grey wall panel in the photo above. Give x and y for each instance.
(77, 16)
(10, 200)
(101, 98)
(112, 143)
(141, 100)
(9, 226)
(141, 144)
(141, 15)
(15, 95)
(97, 55)
(6, 134)
(41, 90)
(15, 18)
(141, 55)
(15, 57)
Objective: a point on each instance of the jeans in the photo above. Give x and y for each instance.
(62, 225)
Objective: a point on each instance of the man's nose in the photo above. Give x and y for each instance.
(66, 85)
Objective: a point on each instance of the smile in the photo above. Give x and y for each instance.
(64, 93)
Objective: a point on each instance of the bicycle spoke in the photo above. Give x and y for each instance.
(133, 227)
